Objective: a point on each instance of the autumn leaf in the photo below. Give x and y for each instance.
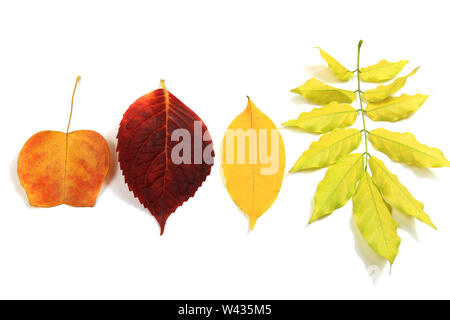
(319, 93)
(338, 69)
(328, 150)
(165, 152)
(404, 147)
(395, 108)
(374, 220)
(348, 176)
(396, 193)
(384, 91)
(382, 71)
(338, 186)
(253, 162)
(63, 168)
(330, 117)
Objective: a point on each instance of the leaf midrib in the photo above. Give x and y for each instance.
(405, 145)
(397, 183)
(390, 105)
(333, 144)
(377, 68)
(378, 213)
(343, 177)
(328, 115)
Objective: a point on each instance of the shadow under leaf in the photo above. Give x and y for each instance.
(374, 263)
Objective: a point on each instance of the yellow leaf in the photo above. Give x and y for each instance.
(374, 219)
(395, 108)
(382, 71)
(329, 149)
(330, 117)
(338, 69)
(322, 94)
(338, 186)
(253, 162)
(404, 147)
(396, 193)
(384, 91)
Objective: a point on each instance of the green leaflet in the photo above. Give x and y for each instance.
(374, 219)
(338, 69)
(330, 117)
(329, 149)
(382, 71)
(404, 147)
(395, 108)
(338, 186)
(384, 91)
(395, 193)
(319, 93)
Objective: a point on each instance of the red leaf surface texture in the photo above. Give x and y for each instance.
(145, 147)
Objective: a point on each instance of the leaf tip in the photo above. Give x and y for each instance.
(252, 221)
(162, 224)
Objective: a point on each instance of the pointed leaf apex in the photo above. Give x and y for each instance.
(252, 221)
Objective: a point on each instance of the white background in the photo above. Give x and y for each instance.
(212, 54)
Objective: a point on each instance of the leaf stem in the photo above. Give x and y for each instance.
(358, 70)
(71, 104)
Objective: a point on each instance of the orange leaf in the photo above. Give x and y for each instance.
(56, 167)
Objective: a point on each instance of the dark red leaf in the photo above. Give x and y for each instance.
(145, 152)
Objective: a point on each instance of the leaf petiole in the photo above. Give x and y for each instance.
(71, 103)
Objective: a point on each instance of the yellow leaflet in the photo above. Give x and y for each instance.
(382, 71)
(329, 149)
(338, 69)
(338, 186)
(374, 219)
(405, 148)
(330, 117)
(322, 94)
(396, 193)
(395, 108)
(384, 91)
(253, 162)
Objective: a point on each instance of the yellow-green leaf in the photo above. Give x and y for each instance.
(404, 147)
(338, 69)
(253, 161)
(395, 108)
(384, 91)
(338, 186)
(382, 71)
(330, 117)
(374, 219)
(395, 193)
(329, 149)
(322, 94)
